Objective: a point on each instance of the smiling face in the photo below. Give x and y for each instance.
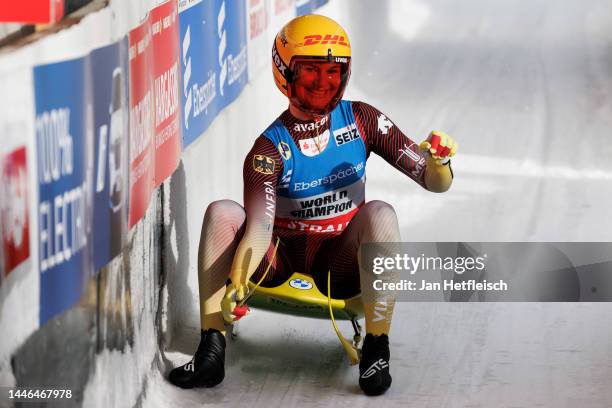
(316, 85)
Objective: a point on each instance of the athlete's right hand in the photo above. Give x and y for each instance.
(439, 147)
(229, 305)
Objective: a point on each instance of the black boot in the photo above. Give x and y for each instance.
(207, 367)
(374, 377)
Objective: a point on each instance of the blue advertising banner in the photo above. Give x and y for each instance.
(109, 70)
(62, 144)
(213, 36)
(305, 7)
(233, 58)
(319, 3)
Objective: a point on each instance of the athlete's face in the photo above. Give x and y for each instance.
(317, 83)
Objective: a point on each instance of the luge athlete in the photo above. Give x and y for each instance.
(304, 183)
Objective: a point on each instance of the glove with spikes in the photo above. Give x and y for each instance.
(440, 146)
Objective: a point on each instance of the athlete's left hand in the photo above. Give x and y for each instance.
(440, 147)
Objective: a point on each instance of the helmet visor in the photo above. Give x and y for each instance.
(318, 84)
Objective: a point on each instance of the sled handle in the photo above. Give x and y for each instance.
(243, 301)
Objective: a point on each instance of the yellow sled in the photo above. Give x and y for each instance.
(300, 296)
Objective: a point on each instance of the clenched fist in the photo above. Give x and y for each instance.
(440, 147)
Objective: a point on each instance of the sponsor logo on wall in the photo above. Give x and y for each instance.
(62, 142)
(111, 162)
(14, 216)
(214, 61)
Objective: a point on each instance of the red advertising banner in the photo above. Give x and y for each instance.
(165, 38)
(31, 11)
(141, 121)
(14, 209)
(155, 140)
(282, 6)
(258, 18)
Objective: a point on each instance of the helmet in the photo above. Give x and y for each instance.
(311, 40)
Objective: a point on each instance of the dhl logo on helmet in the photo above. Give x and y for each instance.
(316, 39)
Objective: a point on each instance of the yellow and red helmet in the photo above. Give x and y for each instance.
(310, 39)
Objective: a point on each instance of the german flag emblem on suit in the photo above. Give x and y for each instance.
(263, 164)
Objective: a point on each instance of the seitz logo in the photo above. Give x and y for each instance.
(346, 134)
(327, 39)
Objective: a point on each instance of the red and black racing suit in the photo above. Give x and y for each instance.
(317, 252)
